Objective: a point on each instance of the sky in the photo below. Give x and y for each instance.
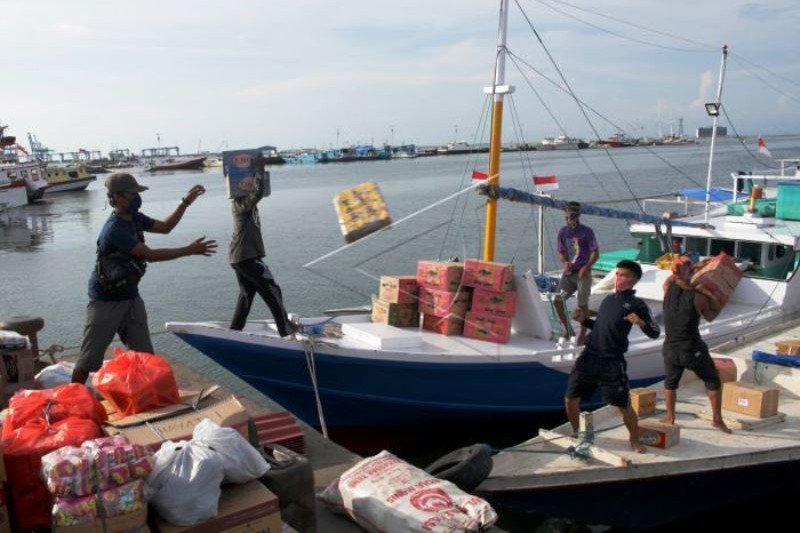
(209, 75)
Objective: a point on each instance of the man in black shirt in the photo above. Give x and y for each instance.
(683, 347)
(602, 363)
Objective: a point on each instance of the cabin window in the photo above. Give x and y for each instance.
(11, 175)
(34, 173)
(780, 251)
(696, 244)
(750, 251)
(23, 173)
(723, 245)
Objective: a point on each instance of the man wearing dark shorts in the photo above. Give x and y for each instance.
(683, 347)
(246, 256)
(120, 311)
(602, 364)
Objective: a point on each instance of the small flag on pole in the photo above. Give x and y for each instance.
(479, 176)
(21, 149)
(546, 183)
(762, 147)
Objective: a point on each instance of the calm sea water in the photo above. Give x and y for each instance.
(46, 257)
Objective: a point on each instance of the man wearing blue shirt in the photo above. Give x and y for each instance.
(119, 309)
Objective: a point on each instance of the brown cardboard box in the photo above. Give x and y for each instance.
(135, 522)
(230, 413)
(750, 399)
(788, 347)
(17, 365)
(399, 315)
(658, 435)
(643, 402)
(399, 289)
(242, 509)
(446, 325)
(726, 368)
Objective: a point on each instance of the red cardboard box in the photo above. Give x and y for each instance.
(441, 303)
(487, 328)
(719, 276)
(442, 275)
(726, 369)
(495, 303)
(658, 435)
(446, 325)
(489, 275)
(399, 289)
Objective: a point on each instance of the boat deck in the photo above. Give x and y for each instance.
(545, 461)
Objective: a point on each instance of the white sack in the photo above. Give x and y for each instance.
(241, 462)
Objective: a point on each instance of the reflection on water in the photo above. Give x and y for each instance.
(21, 231)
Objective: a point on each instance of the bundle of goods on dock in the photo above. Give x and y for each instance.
(74, 463)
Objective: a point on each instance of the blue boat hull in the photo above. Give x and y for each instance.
(359, 394)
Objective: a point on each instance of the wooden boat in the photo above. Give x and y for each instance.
(32, 173)
(606, 483)
(194, 163)
(65, 179)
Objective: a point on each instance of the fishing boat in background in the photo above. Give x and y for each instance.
(174, 163)
(13, 192)
(369, 385)
(405, 151)
(562, 142)
(70, 178)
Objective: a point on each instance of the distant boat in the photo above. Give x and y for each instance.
(456, 147)
(13, 193)
(562, 142)
(406, 151)
(32, 173)
(213, 162)
(195, 163)
(64, 179)
(618, 140)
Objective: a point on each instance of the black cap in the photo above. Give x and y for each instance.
(120, 182)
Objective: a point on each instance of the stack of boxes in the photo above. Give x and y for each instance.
(443, 301)
(494, 301)
(475, 298)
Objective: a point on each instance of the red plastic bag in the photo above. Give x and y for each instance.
(23, 449)
(64, 401)
(136, 382)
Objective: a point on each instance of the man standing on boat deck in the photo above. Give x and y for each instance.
(578, 251)
(120, 310)
(247, 253)
(683, 347)
(602, 363)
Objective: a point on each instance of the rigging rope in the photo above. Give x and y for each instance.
(308, 347)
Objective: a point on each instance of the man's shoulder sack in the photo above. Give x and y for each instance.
(119, 270)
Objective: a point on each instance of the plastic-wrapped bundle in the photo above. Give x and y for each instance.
(116, 501)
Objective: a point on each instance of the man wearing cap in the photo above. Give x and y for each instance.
(683, 346)
(578, 251)
(119, 309)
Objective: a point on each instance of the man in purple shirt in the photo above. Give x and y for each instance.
(578, 251)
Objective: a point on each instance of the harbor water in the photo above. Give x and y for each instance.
(48, 250)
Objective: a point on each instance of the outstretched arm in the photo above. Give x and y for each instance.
(200, 246)
(166, 225)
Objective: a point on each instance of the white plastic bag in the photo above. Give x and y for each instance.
(60, 373)
(240, 461)
(184, 485)
(384, 493)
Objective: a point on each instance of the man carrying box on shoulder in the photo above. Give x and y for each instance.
(683, 347)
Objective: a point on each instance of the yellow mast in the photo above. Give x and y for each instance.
(499, 90)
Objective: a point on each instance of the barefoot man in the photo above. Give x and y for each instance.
(683, 348)
(602, 363)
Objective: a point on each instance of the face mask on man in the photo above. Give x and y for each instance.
(134, 204)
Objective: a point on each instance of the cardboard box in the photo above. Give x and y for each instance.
(135, 522)
(487, 328)
(230, 413)
(442, 303)
(495, 303)
(643, 402)
(489, 275)
(726, 368)
(399, 289)
(750, 399)
(18, 365)
(788, 347)
(361, 211)
(442, 275)
(446, 325)
(719, 277)
(398, 315)
(242, 509)
(240, 169)
(658, 435)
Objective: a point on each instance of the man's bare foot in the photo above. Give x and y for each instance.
(720, 425)
(638, 447)
(581, 340)
(669, 420)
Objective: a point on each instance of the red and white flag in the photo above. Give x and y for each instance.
(545, 183)
(477, 175)
(762, 147)
(21, 149)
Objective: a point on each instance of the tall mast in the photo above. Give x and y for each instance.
(499, 90)
(714, 128)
